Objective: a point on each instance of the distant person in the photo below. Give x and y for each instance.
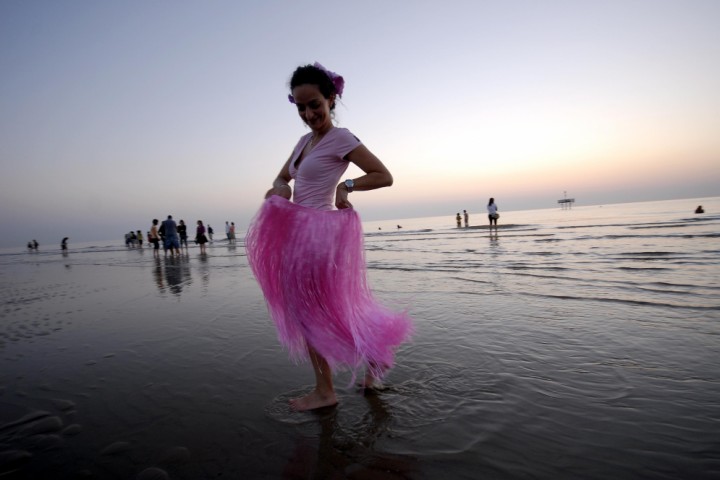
(154, 237)
(458, 220)
(30, 245)
(172, 242)
(128, 240)
(227, 231)
(210, 232)
(161, 232)
(700, 209)
(35, 244)
(493, 214)
(182, 232)
(232, 232)
(133, 239)
(63, 244)
(200, 237)
(467, 218)
(140, 238)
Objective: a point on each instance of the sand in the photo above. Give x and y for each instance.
(116, 365)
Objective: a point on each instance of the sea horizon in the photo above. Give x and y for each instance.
(369, 226)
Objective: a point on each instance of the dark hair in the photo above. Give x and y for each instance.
(311, 75)
(491, 201)
(155, 221)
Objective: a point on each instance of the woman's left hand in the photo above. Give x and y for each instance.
(341, 197)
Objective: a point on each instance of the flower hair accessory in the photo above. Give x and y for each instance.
(337, 80)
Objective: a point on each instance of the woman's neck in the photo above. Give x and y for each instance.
(322, 131)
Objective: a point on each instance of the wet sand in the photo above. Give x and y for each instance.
(117, 365)
(163, 368)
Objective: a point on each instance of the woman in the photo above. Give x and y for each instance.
(492, 213)
(200, 237)
(309, 258)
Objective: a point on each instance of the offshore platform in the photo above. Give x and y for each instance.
(566, 203)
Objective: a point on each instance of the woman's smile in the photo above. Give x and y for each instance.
(313, 107)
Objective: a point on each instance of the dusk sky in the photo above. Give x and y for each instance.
(114, 113)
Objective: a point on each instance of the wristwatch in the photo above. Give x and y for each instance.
(349, 184)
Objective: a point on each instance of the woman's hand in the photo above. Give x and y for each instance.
(281, 191)
(341, 197)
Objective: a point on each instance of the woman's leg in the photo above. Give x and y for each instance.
(324, 393)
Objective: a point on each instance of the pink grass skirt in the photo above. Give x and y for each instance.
(310, 265)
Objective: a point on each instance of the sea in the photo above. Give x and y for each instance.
(578, 343)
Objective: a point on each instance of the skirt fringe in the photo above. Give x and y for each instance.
(310, 265)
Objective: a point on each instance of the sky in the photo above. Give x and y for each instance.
(115, 113)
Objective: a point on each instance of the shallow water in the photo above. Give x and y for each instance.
(574, 344)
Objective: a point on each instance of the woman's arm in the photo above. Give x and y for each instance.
(281, 183)
(376, 175)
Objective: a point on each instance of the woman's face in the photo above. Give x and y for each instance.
(313, 108)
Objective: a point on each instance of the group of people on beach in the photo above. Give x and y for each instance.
(33, 245)
(174, 236)
(230, 232)
(493, 215)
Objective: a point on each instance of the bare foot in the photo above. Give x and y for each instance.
(371, 381)
(313, 400)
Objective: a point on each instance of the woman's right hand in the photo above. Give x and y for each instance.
(284, 191)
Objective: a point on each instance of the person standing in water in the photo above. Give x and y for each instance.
(154, 237)
(182, 232)
(492, 214)
(200, 237)
(309, 258)
(172, 242)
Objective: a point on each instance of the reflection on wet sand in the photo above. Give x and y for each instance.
(204, 272)
(349, 452)
(172, 273)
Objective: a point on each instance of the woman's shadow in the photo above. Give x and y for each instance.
(348, 451)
